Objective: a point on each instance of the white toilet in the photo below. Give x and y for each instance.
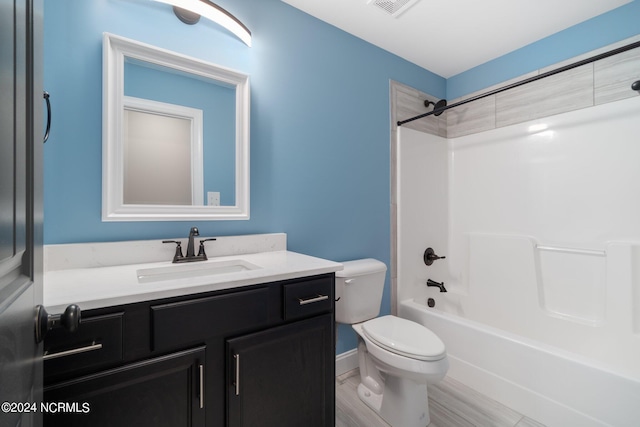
(397, 357)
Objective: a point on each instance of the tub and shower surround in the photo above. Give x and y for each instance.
(538, 218)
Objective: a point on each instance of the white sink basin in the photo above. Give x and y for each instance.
(193, 269)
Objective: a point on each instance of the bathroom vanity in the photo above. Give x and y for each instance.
(254, 347)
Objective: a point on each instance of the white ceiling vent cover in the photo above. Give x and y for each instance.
(392, 7)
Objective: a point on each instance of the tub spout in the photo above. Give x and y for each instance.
(437, 285)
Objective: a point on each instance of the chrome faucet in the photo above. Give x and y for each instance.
(437, 285)
(191, 253)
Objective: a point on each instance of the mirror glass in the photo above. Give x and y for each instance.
(176, 136)
(157, 160)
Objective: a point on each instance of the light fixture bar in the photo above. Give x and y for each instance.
(216, 14)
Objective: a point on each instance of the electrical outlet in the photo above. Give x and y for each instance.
(213, 198)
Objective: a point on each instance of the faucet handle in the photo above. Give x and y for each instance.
(178, 253)
(430, 256)
(201, 248)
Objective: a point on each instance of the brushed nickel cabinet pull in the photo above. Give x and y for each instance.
(201, 386)
(91, 347)
(313, 299)
(237, 382)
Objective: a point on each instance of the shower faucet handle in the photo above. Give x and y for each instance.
(430, 256)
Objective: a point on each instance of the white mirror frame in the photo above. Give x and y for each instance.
(115, 49)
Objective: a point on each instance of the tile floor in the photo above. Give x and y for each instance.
(451, 404)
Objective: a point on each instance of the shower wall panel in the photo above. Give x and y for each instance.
(539, 224)
(601, 82)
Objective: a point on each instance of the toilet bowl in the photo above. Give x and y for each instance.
(397, 357)
(394, 382)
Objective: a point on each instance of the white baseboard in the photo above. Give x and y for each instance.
(346, 361)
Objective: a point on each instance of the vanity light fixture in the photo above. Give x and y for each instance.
(212, 12)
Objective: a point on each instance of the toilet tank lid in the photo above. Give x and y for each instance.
(361, 266)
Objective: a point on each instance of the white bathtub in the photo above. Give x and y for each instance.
(553, 386)
(542, 242)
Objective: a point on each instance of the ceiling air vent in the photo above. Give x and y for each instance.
(392, 7)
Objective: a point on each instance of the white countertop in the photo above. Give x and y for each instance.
(96, 283)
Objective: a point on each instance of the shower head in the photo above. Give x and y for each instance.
(436, 105)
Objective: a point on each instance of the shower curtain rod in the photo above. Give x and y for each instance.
(526, 81)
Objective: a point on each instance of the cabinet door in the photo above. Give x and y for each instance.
(165, 391)
(283, 376)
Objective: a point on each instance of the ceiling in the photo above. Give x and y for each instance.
(448, 37)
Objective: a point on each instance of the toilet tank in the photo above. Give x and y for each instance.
(359, 289)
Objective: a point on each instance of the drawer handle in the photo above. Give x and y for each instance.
(237, 382)
(313, 299)
(91, 347)
(201, 386)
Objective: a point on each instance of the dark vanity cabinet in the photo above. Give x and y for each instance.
(261, 355)
(162, 391)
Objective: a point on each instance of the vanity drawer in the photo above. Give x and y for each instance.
(97, 342)
(187, 322)
(308, 298)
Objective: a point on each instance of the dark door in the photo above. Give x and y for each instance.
(283, 376)
(20, 210)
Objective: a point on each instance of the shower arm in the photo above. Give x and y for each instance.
(526, 81)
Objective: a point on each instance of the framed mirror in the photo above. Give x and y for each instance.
(175, 142)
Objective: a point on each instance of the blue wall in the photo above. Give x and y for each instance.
(319, 118)
(610, 27)
(319, 125)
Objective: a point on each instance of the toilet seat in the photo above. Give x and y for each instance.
(404, 337)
